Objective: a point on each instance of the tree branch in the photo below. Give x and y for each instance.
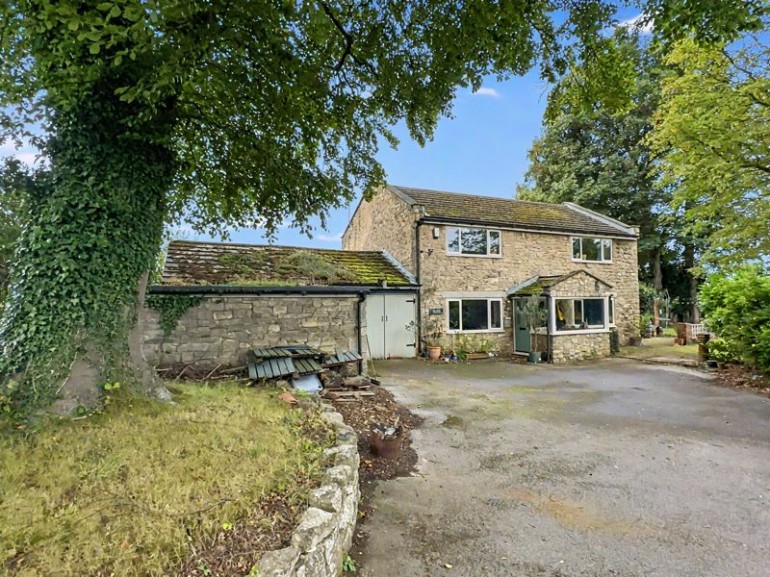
(348, 40)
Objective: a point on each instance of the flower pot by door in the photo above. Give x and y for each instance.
(534, 357)
(434, 353)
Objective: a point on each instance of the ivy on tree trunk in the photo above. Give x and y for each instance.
(91, 237)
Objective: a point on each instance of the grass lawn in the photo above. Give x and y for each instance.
(661, 347)
(140, 489)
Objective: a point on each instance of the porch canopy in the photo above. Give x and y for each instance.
(577, 302)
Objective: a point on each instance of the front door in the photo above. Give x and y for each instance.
(522, 337)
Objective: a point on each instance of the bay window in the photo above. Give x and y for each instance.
(576, 314)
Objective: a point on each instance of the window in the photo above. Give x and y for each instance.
(467, 315)
(579, 314)
(473, 241)
(591, 249)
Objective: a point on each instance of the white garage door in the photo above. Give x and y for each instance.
(387, 317)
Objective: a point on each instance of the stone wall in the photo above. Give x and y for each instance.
(383, 223)
(222, 328)
(325, 532)
(580, 347)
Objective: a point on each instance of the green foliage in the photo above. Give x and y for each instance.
(669, 332)
(536, 314)
(16, 183)
(314, 267)
(737, 308)
(348, 564)
(172, 307)
(723, 350)
(712, 140)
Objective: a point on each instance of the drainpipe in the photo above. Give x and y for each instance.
(418, 332)
(359, 339)
(548, 335)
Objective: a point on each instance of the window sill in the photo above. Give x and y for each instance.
(582, 331)
(591, 261)
(484, 331)
(457, 254)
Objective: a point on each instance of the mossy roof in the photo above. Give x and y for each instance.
(538, 285)
(205, 263)
(488, 210)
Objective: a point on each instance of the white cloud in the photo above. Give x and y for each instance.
(329, 238)
(491, 92)
(26, 153)
(637, 24)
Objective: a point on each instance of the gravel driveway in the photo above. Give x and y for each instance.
(611, 468)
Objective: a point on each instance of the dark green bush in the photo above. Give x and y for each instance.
(721, 350)
(737, 308)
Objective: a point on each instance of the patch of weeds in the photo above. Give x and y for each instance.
(348, 565)
(130, 491)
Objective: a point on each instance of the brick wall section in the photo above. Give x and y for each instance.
(525, 255)
(383, 223)
(223, 328)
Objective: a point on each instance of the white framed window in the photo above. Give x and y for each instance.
(588, 249)
(470, 315)
(473, 241)
(580, 314)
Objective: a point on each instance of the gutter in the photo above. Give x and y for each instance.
(275, 290)
(508, 226)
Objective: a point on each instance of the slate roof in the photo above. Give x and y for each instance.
(488, 210)
(205, 263)
(537, 285)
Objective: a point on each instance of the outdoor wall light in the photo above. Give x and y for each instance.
(436, 232)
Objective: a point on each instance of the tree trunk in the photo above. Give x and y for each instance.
(689, 265)
(92, 235)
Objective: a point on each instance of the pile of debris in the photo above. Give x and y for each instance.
(306, 368)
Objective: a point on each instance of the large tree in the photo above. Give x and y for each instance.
(597, 156)
(231, 113)
(711, 136)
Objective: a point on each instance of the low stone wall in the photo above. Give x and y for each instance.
(579, 347)
(221, 329)
(325, 532)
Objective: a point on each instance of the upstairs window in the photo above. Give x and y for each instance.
(591, 249)
(473, 241)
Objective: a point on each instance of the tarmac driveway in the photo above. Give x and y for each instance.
(611, 468)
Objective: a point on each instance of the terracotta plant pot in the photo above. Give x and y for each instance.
(387, 448)
(434, 353)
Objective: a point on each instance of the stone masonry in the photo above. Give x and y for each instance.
(387, 223)
(223, 328)
(325, 532)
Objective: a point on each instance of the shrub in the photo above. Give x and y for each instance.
(669, 332)
(721, 350)
(737, 308)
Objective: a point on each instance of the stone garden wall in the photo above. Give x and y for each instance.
(579, 347)
(325, 532)
(222, 328)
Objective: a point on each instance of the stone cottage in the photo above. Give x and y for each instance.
(478, 260)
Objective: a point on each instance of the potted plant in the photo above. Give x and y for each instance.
(432, 332)
(535, 314)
